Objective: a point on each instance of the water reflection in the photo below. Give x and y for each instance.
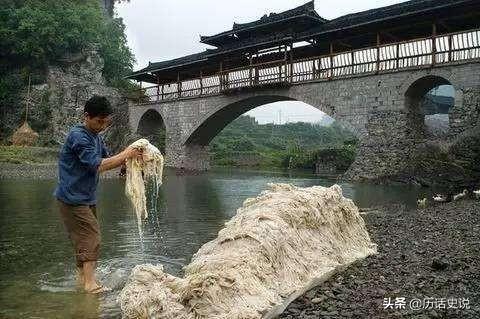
(37, 265)
(193, 213)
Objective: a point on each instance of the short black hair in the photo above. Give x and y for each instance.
(98, 106)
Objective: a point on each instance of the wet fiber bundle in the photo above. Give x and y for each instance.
(139, 173)
(278, 245)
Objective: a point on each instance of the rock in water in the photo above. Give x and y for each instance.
(278, 245)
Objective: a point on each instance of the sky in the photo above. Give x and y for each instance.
(159, 30)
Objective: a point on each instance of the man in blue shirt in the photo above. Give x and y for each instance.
(82, 158)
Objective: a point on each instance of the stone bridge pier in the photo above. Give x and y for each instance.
(382, 110)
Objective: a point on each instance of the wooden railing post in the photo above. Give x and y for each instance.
(250, 62)
(201, 82)
(179, 85)
(353, 62)
(331, 61)
(319, 70)
(158, 88)
(434, 44)
(285, 56)
(291, 63)
(221, 76)
(163, 96)
(378, 53)
(313, 69)
(226, 81)
(397, 56)
(280, 66)
(450, 48)
(140, 93)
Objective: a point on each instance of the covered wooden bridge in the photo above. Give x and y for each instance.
(298, 46)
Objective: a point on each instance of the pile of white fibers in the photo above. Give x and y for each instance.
(139, 172)
(277, 246)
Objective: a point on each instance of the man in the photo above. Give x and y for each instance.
(82, 158)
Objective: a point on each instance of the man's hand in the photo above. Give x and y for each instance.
(132, 152)
(119, 159)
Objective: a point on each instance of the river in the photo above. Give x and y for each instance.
(37, 271)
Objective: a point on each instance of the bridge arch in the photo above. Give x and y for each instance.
(419, 109)
(152, 126)
(214, 122)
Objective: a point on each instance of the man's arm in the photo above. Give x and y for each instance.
(119, 159)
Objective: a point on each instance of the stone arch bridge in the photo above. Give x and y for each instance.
(375, 89)
(375, 107)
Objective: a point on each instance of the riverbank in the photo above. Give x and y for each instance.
(28, 154)
(50, 171)
(432, 253)
(38, 171)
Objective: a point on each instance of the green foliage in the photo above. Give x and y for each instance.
(296, 157)
(242, 144)
(22, 155)
(37, 33)
(117, 56)
(342, 156)
(41, 31)
(292, 145)
(9, 83)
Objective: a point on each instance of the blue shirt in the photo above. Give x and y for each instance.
(78, 163)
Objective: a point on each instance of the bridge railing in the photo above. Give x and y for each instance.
(424, 52)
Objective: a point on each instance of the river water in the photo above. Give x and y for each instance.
(37, 271)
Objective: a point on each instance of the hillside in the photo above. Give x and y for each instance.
(68, 51)
(244, 142)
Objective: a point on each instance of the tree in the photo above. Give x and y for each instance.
(36, 33)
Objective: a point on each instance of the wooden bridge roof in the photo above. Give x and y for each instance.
(403, 21)
(295, 20)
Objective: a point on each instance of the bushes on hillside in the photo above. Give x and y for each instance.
(292, 145)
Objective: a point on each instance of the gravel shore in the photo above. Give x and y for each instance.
(39, 171)
(429, 257)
